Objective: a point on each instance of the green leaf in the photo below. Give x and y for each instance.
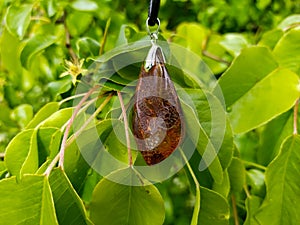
(270, 38)
(289, 22)
(60, 86)
(77, 27)
(224, 187)
(226, 151)
(191, 36)
(252, 205)
(45, 112)
(75, 166)
(281, 205)
(279, 86)
(234, 43)
(21, 155)
(84, 5)
(35, 45)
(237, 175)
(28, 201)
(87, 47)
(11, 60)
(18, 19)
(215, 48)
(204, 144)
(58, 119)
(115, 203)
(272, 136)
(214, 208)
(262, 4)
(287, 51)
(252, 83)
(50, 6)
(251, 66)
(22, 114)
(256, 182)
(68, 205)
(49, 139)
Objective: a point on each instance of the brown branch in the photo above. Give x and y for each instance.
(69, 125)
(99, 109)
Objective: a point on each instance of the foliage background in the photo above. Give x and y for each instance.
(252, 47)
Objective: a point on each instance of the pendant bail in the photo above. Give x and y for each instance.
(155, 56)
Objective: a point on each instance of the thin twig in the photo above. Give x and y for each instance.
(235, 212)
(210, 55)
(254, 165)
(215, 57)
(51, 165)
(68, 128)
(296, 117)
(99, 109)
(104, 36)
(2, 155)
(126, 129)
(247, 191)
(71, 98)
(197, 204)
(44, 19)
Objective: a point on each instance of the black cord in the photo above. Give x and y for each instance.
(153, 12)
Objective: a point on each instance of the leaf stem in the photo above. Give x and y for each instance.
(71, 98)
(52, 165)
(296, 117)
(42, 18)
(68, 128)
(247, 191)
(104, 37)
(126, 129)
(197, 204)
(254, 165)
(210, 55)
(235, 213)
(99, 109)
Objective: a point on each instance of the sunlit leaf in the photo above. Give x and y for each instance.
(46, 111)
(287, 49)
(35, 45)
(237, 175)
(254, 82)
(290, 21)
(214, 208)
(21, 155)
(281, 203)
(84, 5)
(252, 205)
(115, 203)
(28, 201)
(68, 206)
(18, 19)
(22, 114)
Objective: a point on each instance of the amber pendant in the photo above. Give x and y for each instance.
(157, 115)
